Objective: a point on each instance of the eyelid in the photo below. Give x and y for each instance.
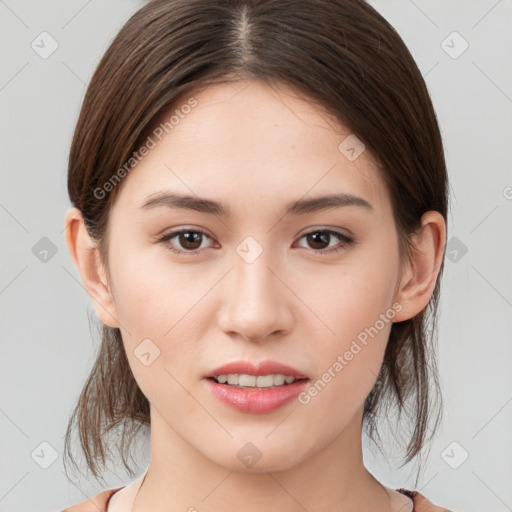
(331, 229)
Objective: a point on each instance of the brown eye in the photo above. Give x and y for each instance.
(320, 239)
(189, 241)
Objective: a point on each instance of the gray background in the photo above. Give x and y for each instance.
(47, 348)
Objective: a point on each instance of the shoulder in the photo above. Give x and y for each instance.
(422, 504)
(97, 503)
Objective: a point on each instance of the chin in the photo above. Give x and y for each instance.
(260, 456)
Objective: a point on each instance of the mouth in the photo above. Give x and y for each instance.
(258, 388)
(255, 381)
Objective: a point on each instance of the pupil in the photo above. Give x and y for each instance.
(319, 237)
(189, 234)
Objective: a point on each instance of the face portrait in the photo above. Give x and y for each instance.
(252, 267)
(256, 256)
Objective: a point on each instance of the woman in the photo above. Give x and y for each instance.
(259, 199)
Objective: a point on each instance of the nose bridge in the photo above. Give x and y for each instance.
(255, 304)
(255, 279)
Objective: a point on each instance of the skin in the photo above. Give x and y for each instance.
(255, 149)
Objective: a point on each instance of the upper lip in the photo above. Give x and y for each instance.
(262, 368)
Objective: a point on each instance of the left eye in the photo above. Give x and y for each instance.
(322, 236)
(190, 238)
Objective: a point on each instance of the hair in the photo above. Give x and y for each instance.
(340, 54)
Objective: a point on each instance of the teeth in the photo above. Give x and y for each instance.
(248, 380)
(251, 381)
(279, 380)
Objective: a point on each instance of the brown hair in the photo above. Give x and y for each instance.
(342, 55)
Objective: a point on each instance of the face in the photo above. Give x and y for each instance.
(266, 276)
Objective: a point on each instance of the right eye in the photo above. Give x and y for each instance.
(187, 238)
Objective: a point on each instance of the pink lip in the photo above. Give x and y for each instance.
(261, 400)
(263, 368)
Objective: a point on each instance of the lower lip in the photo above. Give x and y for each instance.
(256, 400)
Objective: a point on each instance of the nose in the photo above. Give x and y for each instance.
(257, 303)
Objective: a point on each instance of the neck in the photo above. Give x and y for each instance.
(334, 478)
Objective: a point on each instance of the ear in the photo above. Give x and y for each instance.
(420, 273)
(87, 260)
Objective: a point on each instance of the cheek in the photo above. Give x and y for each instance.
(158, 304)
(360, 326)
(357, 309)
(151, 292)
(347, 363)
(354, 297)
(156, 309)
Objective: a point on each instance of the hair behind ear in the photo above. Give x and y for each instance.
(110, 400)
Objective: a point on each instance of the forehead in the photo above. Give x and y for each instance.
(246, 141)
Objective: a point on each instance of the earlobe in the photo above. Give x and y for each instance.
(420, 276)
(87, 261)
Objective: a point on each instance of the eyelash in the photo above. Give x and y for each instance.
(342, 237)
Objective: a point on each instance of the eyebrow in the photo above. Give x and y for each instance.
(299, 207)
